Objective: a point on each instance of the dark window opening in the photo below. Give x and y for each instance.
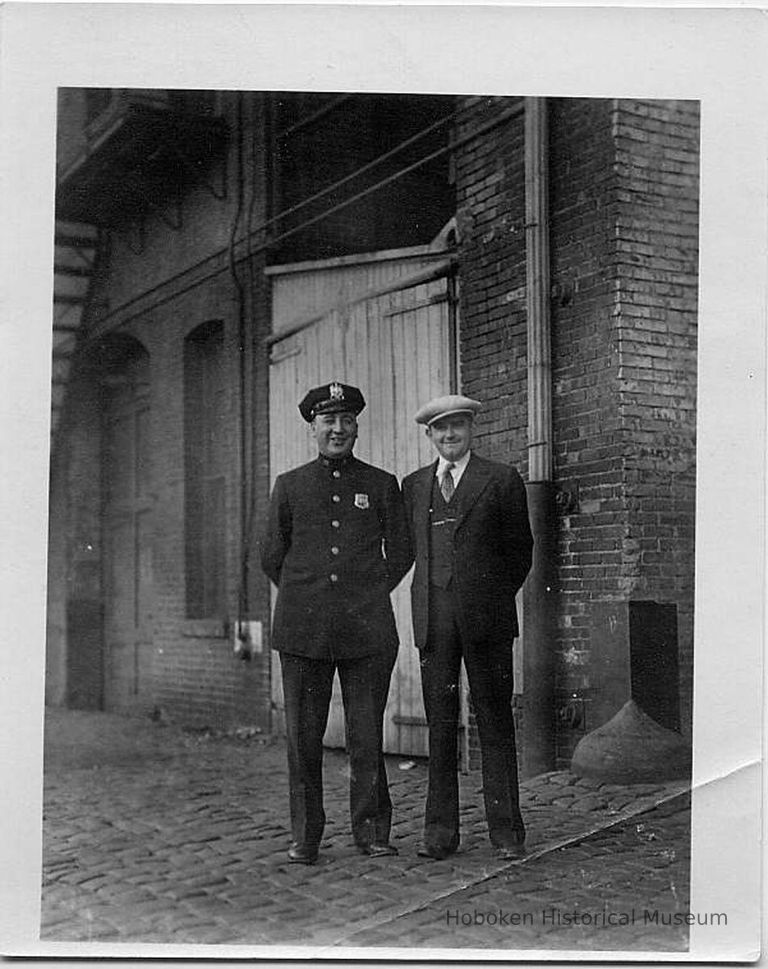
(320, 139)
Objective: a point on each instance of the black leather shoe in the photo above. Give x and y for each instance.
(378, 849)
(511, 848)
(437, 852)
(511, 852)
(299, 854)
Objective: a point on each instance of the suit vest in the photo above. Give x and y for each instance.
(442, 524)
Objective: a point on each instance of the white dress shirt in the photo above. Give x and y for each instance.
(458, 468)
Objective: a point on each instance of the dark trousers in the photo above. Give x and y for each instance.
(489, 671)
(307, 685)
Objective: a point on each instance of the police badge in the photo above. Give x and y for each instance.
(336, 391)
(361, 501)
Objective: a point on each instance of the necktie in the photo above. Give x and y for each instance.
(446, 484)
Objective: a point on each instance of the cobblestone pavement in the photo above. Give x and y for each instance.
(619, 889)
(152, 835)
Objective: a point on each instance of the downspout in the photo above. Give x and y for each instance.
(243, 590)
(539, 617)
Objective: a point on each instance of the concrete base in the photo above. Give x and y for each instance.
(631, 748)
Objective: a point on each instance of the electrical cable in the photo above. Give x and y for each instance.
(273, 220)
(246, 242)
(380, 159)
(349, 201)
(314, 116)
(263, 246)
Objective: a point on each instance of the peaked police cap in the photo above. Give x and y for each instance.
(331, 398)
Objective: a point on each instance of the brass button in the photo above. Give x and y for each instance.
(334, 550)
(337, 474)
(334, 577)
(335, 523)
(337, 498)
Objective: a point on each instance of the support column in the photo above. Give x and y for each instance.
(538, 722)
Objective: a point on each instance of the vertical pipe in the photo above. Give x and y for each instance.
(453, 332)
(243, 598)
(538, 732)
(537, 291)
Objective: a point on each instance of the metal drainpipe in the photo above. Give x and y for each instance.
(243, 606)
(539, 623)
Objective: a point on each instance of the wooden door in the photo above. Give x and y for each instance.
(400, 349)
(127, 541)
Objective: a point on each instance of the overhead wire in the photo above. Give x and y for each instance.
(251, 232)
(248, 537)
(245, 242)
(238, 249)
(379, 160)
(511, 112)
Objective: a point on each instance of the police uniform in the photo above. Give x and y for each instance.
(336, 544)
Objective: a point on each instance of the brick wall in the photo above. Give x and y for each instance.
(490, 202)
(200, 681)
(623, 236)
(588, 440)
(657, 169)
(197, 680)
(195, 677)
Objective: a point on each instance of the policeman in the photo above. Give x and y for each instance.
(336, 544)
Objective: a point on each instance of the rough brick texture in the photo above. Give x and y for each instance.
(152, 287)
(491, 219)
(657, 144)
(587, 436)
(623, 236)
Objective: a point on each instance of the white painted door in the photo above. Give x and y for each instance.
(400, 349)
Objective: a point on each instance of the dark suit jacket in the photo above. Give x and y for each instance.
(492, 549)
(334, 580)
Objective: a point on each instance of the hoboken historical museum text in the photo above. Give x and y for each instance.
(555, 917)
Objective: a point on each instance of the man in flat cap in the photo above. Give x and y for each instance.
(336, 544)
(469, 526)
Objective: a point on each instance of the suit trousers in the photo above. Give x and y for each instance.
(489, 671)
(307, 686)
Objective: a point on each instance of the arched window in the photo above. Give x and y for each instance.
(204, 472)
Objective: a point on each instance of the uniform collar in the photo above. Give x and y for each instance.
(335, 464)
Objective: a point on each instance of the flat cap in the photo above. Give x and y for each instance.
(331, 398)
(444, 406)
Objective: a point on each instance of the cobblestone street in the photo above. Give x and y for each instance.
(153, 835)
